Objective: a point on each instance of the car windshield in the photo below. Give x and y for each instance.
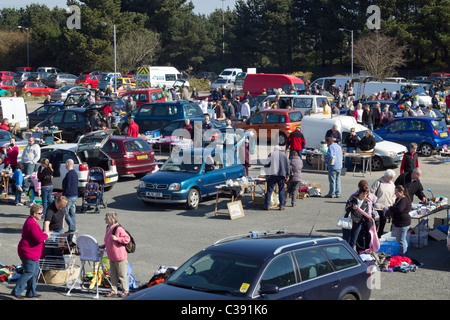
(226, 73)
(5, 135)
(299, 86)
(361, 134)
(221, 81)
(65, 88)
(218, 273)
(184, 162)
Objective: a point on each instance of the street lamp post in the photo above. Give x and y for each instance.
(351, 31)
(115, 54)
(28, 45)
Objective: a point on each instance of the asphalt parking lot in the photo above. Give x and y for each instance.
(169, 234)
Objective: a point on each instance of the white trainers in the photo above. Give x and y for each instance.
(19, 204)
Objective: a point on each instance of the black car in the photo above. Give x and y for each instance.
(169, 128)
(42, 113)
(211, 76)
(269, 265)
(73, 122)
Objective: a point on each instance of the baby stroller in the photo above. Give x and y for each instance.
(95, 188)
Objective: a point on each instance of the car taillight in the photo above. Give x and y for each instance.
(128, 156)
(83, 167)
(436, 133)
(113, 162)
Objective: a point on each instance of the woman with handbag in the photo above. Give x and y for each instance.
(401, 220)
(359, 208)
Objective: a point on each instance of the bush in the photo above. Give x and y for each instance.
(199, 84)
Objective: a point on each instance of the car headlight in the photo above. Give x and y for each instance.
(174, 186)
(392, 154)
(141, 184)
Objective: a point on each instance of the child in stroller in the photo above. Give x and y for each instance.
(95, 187)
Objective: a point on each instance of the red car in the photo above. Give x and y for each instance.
(24, 69)
(4, 75)
(132, 155)
(33, 88)
(8, 84)
(88, 80)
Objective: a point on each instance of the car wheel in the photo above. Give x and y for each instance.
(89, 86)
(426, 150)
(349, 296)
(282, 139)
(28, 94)
(309, 159)
(193, 199)
(63, 84)
(377, 163)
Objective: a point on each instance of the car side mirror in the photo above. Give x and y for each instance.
(209, 168)
(269, 289)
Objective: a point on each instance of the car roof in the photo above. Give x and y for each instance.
(261, 247)
(419, 118)
(280, 110)
(62, 146)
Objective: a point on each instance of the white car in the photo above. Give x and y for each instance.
(85, 154)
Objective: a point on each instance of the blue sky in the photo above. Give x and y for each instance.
(201, 6)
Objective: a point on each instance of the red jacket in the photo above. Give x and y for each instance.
(296, 141)
(31, 246)
(133, 130)
(4, 126)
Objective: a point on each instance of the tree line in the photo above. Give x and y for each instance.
(274, 36)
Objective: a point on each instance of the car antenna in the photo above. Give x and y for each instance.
(312, 228)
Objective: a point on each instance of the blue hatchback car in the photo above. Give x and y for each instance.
(189, 175)
(430, 134)
(272, 265)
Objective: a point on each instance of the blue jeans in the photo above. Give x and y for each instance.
(271, 182)
(348, 160)
(400, 235)
(46, 195)
(334, 177)
(28, 279)
(18, 196)
(354, 233)
(71, 211)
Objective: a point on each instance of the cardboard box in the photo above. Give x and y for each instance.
(317, 162)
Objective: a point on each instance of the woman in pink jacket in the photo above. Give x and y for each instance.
(115, 249)
(30, 249)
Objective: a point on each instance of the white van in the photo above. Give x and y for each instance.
(306, 103)
(370, 87)
(315, 126)
(15, 110)
(230, 74)
(327, 82)
(151, 77)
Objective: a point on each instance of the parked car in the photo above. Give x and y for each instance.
(49, 70)
(152, 116)
(268, 265)
(22, 76)
(62, 93)
(189, 180)
(5, 75)
(272, 124)
(89, 81)
(169, 128)
(42, 113)
(39, 76)
(125, 88)
(132, 155)
(9, 84)
(141, 96)
(24, 69)
(33, 88)
(86, 154)
(111, 80)
(210, 76)
(60, 80)
(430, 134)
(73, 122)
(393, 106)
(5, 138)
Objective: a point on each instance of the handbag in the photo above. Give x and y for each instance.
(344, 222)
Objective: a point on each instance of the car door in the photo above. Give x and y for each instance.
(416, 131)
(273, 123)
(318, 279)
(59, 168)
(213, 173)
(71, 125)
(161, 115)
(143, 117)
(394, 131)
(38, 115)
(255, 122)
(279, 273)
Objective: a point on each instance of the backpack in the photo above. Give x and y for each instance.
(130, 246)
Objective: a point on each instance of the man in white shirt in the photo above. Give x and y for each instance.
(204, 105)
(30, 156)
(430, 113)
(245, 111)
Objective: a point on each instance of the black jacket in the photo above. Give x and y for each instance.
(414, 187)
(367, 143)
(355, 214)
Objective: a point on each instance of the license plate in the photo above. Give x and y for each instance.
(142, 156)
(21, 148)
(153, 194)
(444, 134)
(107, 180)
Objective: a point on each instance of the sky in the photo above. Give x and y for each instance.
(201, 6)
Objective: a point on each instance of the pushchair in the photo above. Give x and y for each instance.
(95, 188)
